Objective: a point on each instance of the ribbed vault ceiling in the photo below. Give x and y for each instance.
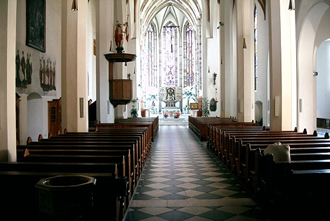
(177, 11)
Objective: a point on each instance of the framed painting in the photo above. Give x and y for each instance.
(36, 24)
(193, 106)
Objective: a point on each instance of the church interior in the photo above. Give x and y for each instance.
(178, 69)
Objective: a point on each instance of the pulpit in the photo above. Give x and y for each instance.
(121, 90)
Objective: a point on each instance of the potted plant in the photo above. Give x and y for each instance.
(205, 107)
(134, 111)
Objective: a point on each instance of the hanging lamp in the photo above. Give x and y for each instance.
(74, 6)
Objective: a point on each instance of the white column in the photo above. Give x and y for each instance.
(104, 37)
(7, 84)
(74, 67)
(228, 101)
(245, 73)
(282, 60)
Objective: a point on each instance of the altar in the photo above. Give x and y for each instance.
(170, 96)
(170, 109)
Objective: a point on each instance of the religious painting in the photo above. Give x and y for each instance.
(193, 106)
(36, 24)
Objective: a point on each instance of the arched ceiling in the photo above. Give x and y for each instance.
(177, 11)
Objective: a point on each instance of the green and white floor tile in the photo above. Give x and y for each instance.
(183, 181)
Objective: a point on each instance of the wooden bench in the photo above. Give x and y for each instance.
(123, 166)
(139, 133)
(300, 183)
(236, 149)
(248, 166)
(228, 146)
(110, 140)
(105, 127)
(220, 133)
(199, 125)
(21, 196)
(216, 132)
(24, 153)
(153, 120)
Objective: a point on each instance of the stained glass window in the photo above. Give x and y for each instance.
(151, 58)
(170, 55)
(190, 59)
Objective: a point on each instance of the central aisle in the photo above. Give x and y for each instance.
(183, 181)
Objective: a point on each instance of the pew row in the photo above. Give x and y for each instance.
(297, 187)
(200, 125)
(95, 147)
(21, 196)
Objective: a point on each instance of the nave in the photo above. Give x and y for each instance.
(182, 180)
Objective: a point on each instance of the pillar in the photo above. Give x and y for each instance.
(74, 67)
(282, 59)
(104, 37)
(8, 10)
(245, 61)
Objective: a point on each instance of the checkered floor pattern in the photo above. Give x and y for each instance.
(183, 181)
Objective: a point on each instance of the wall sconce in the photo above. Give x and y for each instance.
(244, 44)
(214, 78)
(220, 24)
(291, 6)
(74, 6)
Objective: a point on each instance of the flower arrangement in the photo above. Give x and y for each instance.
(177, 115)
(165, 114)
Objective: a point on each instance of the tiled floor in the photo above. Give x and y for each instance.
(183, 181)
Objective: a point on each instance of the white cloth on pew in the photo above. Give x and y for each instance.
(281, 152)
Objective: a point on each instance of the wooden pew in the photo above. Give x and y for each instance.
(128, 125)
(153, 120)
(199, 125)
(236, 147)
(99, 141)
(140, 132)
(123, 166)
(24, 153)
(217, 135)
(21, 197)
(248, 169)
(126, 133)
(94, 140)
(302, 184)
(228, 146)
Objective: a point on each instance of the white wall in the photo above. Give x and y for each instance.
(262, 92)
(323, 80)
(312, 29)
(28, 124)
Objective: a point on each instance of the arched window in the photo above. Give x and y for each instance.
(169, 73)
(189, 77)
(150, 65)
